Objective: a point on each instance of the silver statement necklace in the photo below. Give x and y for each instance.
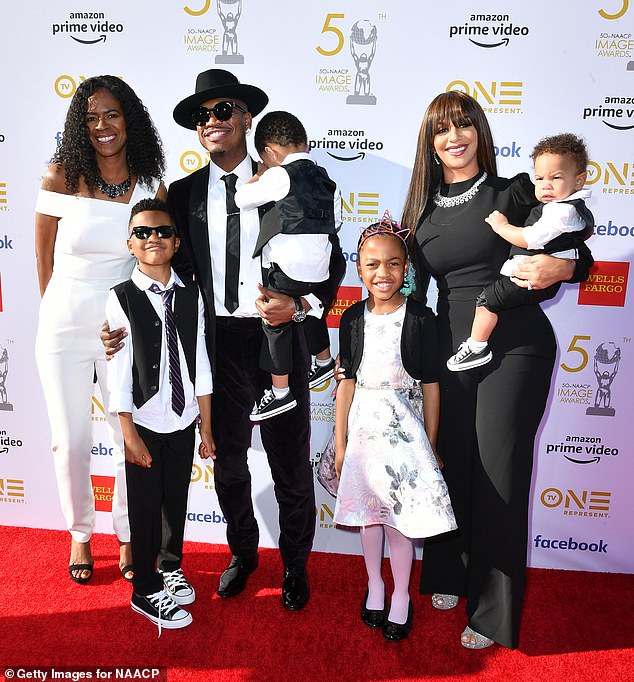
(113, 191)
(450, 202)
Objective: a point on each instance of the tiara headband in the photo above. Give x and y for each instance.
(385, 226)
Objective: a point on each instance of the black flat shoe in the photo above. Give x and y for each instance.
(295, 589)
(234, 578)
(396, 631)
(373, 618)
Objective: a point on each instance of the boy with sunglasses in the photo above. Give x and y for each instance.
(294, 244)
(160, 382)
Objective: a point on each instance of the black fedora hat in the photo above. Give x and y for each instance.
(216, 83)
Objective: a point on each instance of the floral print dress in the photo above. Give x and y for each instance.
(390, 475)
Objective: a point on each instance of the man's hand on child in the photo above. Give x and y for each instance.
(273, 307)
(112, 339)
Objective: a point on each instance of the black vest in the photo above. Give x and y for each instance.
(147, 329)
(566, 240)
(308, 208)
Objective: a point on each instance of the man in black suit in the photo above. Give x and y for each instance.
(218, 241)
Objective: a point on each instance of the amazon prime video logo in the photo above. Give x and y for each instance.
(87, 28)
(488, 30)
(346, 144)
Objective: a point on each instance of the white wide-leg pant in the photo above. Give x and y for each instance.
(68, 351)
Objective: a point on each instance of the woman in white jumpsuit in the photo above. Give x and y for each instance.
(110, 158)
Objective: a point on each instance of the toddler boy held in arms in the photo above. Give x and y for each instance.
(159, 382)
(557, 226)
(294, 245)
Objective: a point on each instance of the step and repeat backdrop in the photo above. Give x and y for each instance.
(359, 74)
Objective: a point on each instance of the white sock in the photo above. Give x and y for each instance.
(476, 346)
(323, 363)
(280, 392)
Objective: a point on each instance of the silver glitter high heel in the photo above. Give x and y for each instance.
(444, 602)
(470, 639)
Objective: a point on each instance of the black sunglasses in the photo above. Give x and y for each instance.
(222, 111)
(162, 231)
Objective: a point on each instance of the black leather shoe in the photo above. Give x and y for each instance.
(396, 631)
(234, 578)
(373, 618)
(295, 589)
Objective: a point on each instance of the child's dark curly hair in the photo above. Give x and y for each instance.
(563, 144)
(144, 150)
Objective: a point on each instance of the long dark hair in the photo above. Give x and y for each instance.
(144, 150)
(449, 107)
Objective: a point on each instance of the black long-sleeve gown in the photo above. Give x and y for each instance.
(489, 415)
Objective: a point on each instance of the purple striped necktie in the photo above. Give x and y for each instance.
(178, 393)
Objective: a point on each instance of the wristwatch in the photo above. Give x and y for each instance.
(300, 314)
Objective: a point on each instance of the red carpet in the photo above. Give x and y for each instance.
(577, 626)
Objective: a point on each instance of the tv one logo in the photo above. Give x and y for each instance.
(594, 503)
(192, 161)
(611, 177)
(65, 85)
(12, 490)
(496, 97)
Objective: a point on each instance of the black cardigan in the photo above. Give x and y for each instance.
(419, 341)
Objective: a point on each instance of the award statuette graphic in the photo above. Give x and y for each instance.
(606, 364)
(362, 47)
(4, 370)
(229, 15)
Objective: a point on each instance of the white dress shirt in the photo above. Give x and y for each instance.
(157, 413)
(250, 269)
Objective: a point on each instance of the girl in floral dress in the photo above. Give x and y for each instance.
(386, 425)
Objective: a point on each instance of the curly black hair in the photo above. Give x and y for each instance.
(144, 150)
(279, 127)
(565, 143)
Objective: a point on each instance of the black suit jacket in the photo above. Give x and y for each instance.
(187, 199)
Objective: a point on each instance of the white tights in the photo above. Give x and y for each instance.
(401, 556)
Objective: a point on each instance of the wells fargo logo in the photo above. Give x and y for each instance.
(344, 298)
(103, 489)
(594, 503)
(606, 285)
(12, 490)
(496, 97)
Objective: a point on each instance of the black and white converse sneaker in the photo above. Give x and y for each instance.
(465, 358)
(161, 609)
(270, 406)
(318, 375)
(178, 587)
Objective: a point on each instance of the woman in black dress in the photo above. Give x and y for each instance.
(489, 415)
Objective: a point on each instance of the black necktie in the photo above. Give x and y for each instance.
(178, 393)
(232, 261)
